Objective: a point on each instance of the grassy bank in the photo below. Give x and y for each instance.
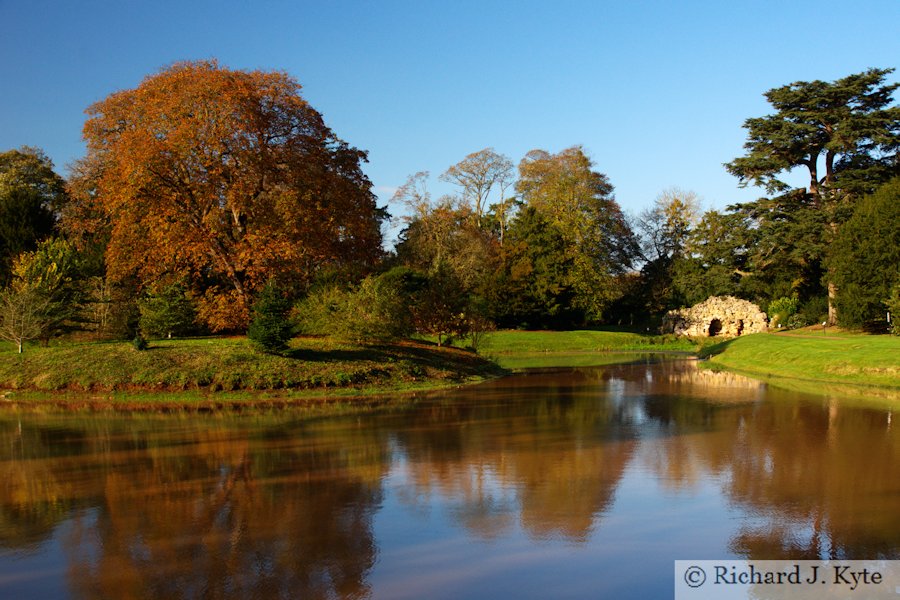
(211, 373)
(203, 365)
(845, 358)
(526, 349)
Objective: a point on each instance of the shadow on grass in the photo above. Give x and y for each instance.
(422, 357)
(155, 348)
(710, 350)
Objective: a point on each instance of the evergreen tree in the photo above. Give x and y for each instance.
(865, 258)
(270, 328)
(167, 311)
(845, 134)
(535, 287)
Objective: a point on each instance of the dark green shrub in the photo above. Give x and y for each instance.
(139, 343)
(270, 328)
(814, 310)
(166, 311)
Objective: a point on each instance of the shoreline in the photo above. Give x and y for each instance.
(227, 374)
(851, 359)
(332, 400)
(204, 373)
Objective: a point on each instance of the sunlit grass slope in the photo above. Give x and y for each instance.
(523, 349)
(215, 364)
(846, 358)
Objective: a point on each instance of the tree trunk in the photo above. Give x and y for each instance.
(813, 177)
(832, 288)
(20, 346)
(829, 166)
(217, 250)
(832, 309)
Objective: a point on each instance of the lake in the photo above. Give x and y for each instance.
(564, 483)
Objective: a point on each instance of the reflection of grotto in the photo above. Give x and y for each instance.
(724, 316)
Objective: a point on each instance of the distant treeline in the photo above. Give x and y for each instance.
(211, 198)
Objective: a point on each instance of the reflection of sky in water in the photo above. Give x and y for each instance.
(583, 484)
(430, 553)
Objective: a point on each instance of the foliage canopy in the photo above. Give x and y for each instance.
(31, 194)
(578, 202)
(865, 258)
(226, 177)
(848, 125)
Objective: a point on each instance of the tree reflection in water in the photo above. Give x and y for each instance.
(276, 505)
(214, 511)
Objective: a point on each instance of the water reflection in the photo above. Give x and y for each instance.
(276, 506)
(199, 511)
(552, 448)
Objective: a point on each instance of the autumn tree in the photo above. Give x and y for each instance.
(667, 225)
(225, 177)
(578, 202)
(31, 195)
(443, 234)
(477, 174)
(845, 134)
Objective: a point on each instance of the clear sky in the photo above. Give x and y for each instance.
(655, 91)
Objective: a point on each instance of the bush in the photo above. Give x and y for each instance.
(442, 307)
(139, 343)
(798, 320)
(378, 309)
(893, 308)
(321, 310)
(814, 310)
(270, 328)
(781, 310)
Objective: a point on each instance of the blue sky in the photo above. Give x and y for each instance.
(656, 92)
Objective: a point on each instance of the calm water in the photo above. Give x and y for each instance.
(580, 483)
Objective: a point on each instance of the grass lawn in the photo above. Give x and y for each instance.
(513, 349)
(844, 358)
(201, 365)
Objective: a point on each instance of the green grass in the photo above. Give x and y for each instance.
(516, 342)
(548, 360)
(210, 373)
(222, 364)
(854, 359)
(513, 349)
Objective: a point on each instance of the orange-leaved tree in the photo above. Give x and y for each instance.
(228, 178)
